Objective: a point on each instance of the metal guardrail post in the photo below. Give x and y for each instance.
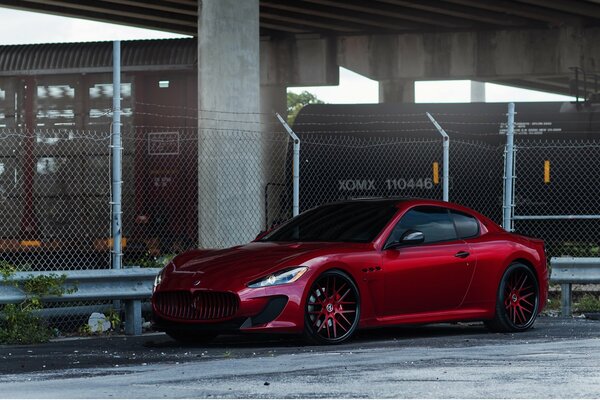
(133, 316)
(295, 166)
(445, 159)
(507, 207)
(565, 299)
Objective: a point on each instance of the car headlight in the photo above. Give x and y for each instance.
(161, 276)
(158, 279)
(279, 278)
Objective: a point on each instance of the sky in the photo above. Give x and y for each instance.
(18, 27)
(355, 88)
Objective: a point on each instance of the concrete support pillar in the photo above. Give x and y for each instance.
(477, 92)
(397, 91)
(273, 98)
(230, 145)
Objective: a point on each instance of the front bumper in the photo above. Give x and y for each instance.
(267, 312)
(276, 309)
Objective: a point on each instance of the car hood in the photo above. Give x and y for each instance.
(255, 259)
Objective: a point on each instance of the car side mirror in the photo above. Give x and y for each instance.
(410, 237)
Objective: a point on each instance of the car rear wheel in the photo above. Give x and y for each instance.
(517, 300)
(191, 338)
(332, 309)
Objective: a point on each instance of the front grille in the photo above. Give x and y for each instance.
(199, 306)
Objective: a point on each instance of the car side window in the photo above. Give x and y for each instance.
(435, 223)
(467, 226)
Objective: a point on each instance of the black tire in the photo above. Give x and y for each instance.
(332, 309)
(191, 338)
(517, 300)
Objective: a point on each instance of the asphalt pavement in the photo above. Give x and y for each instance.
(558, 358)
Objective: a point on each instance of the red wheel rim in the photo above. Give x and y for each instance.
(332, 307)
(520, 297)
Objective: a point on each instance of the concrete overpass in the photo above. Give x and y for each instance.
(254, 49)
(525, 43)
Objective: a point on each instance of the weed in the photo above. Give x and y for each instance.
(553, 303)
(114, 318)
(150, 261)
(588, 302)
(18, 324)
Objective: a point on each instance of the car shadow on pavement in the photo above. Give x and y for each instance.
(371, 337)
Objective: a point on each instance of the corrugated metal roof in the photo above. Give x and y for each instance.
(136, 55)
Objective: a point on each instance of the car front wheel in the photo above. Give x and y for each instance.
(332, 309)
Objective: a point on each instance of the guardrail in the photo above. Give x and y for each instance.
(130, 285)
(569, 270)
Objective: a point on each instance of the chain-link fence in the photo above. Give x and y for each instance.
(556, 195)
(55, 207)
(189, 188)
(54, 199)
(476, 176)
(186, 187)
(345, 167)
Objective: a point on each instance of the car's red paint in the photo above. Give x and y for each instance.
(416, 284)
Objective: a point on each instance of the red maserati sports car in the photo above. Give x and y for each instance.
(357, 264)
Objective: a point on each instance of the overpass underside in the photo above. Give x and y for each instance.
(525, 43)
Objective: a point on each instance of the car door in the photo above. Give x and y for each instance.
(431, 276)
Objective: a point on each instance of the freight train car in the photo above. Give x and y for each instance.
(394, 150)
(55, 120)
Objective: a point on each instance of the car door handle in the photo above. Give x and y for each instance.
(462, 254)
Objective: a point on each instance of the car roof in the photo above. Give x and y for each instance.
(411, 202)
(396, 200)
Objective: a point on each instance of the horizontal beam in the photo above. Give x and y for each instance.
(275, 25)
(101, 17)
(402, 13)
(140, 13)
(298, 62)
(99, 284)
(336, 14)
(553, 217)
(575, 270)
(189, 10)
(522, 10)
(583, 8)
(485, 55)
(320, 23)
(434, 6)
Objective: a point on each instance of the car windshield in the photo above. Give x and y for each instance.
(357, 221)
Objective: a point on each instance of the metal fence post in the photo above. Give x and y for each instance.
(507, 208)
(116, 159)
(295, 166)
(445, 159)
(133, 308)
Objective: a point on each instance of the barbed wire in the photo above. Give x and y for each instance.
(52, 133)
(203, 110)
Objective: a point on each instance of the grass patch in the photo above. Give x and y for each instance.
(588, 303)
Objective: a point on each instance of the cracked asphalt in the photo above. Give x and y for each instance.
(558, 358)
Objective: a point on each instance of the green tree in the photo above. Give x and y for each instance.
(295, 102)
